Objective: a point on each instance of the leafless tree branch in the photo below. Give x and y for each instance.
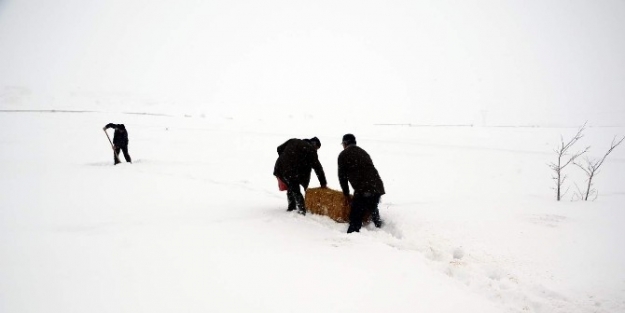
(591, 168)
(578, 194)
(564, 159)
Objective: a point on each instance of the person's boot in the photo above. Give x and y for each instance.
(291, 207)
(377, 221)
(375, 217)
(299, 202)
(302, 211)
(291, 201)
(352, 229)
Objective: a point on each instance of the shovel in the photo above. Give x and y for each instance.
(112, 147)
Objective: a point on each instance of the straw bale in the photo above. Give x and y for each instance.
(329, 202)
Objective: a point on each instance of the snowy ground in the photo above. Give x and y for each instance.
(209, 89)
(197, 224)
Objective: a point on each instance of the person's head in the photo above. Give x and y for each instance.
(348, 139)
(315, 142)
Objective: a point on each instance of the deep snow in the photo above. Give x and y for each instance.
(459, 103)
(196, 223)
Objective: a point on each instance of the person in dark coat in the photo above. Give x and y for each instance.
(120, 141)
(296, 158)
(356, 168)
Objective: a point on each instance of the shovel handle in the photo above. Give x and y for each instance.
(109, 138)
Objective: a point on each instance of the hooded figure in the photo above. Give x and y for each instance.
(296, 158)
(120, 141)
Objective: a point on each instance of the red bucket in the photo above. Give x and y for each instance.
(281, 185)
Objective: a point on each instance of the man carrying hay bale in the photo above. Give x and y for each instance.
(296, 158)
(356, 167)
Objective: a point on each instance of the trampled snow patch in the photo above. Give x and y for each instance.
(196, 221)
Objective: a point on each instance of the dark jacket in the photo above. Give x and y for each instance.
(296, 158)
(356, 166)
(120, 138)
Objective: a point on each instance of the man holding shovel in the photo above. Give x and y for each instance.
(120, 141)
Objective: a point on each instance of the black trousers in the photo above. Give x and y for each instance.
(294, 196)
(124, 149)
(362, 203)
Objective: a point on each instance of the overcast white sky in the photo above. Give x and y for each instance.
(399, 60)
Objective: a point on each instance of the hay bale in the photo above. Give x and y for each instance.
(329, 202)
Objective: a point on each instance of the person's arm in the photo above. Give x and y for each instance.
(319, 171)
(110, 125)
(343, 177)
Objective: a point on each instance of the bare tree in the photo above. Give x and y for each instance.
(591, 168)
(564, 159)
